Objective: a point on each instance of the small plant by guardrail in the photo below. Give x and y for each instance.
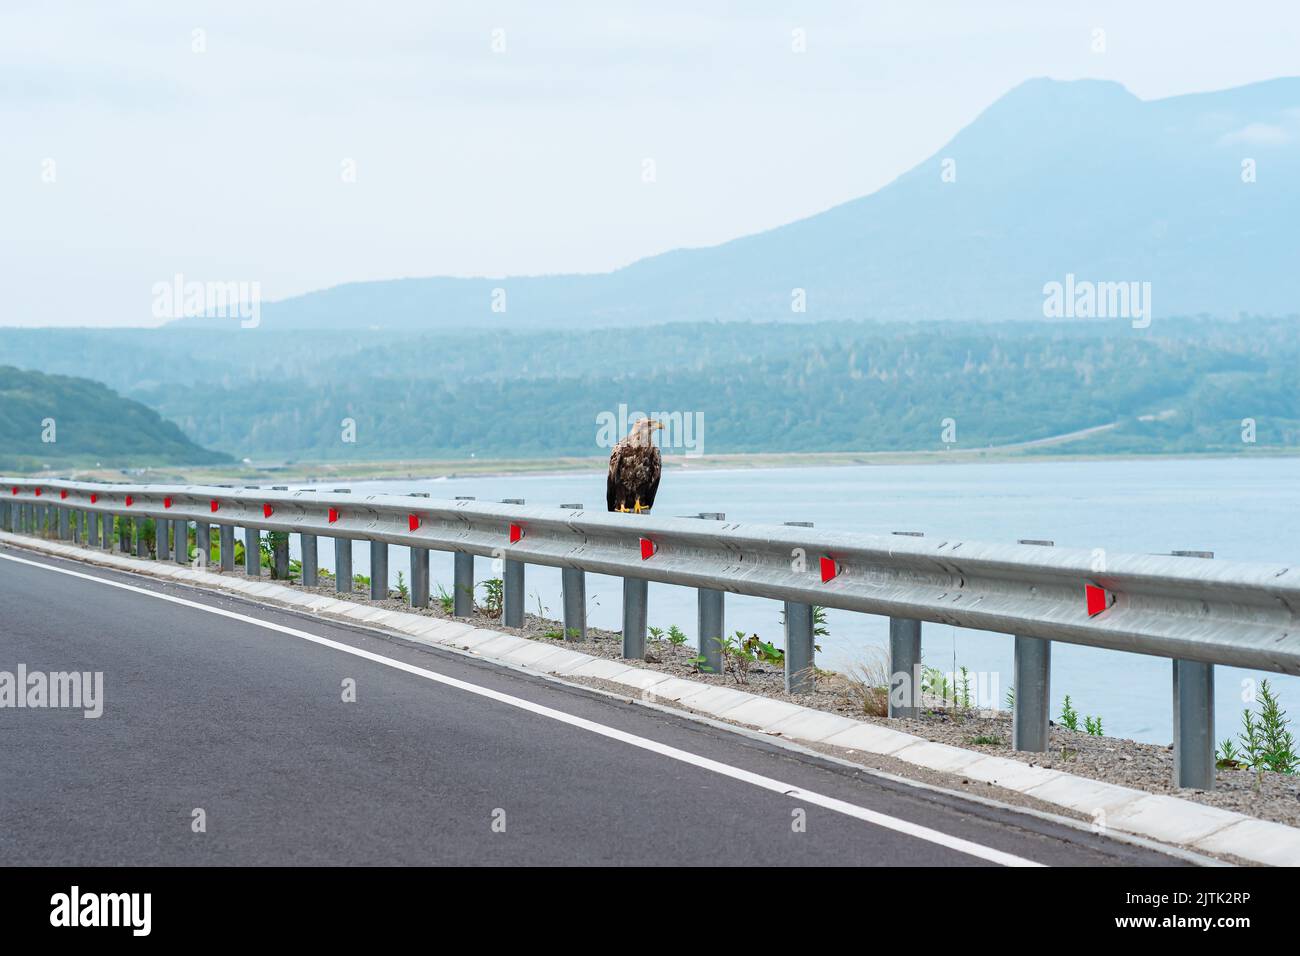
(1069, 716)
(493, 595)
(446, 600)
(1228, 757)
(402, 590)
(737, 657)
(866, 685)
(936, 684)
(963, 688)
(1267, 743)
(1093, 726)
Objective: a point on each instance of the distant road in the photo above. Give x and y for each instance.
(248, 724)
(1081, 433)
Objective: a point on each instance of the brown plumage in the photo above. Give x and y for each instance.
(634, 470)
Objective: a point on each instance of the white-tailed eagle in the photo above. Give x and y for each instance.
(634, 470)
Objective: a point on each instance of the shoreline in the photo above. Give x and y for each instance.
(432, 469)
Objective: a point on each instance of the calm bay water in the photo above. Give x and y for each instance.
(1242, 508)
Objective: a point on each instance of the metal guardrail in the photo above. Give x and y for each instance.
(1196, 612)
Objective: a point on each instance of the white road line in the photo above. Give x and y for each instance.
(758, 780)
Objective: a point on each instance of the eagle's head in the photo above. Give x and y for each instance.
(643, 429)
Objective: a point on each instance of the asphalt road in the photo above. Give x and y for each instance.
(250, 726)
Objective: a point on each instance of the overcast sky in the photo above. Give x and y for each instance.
(134, 148)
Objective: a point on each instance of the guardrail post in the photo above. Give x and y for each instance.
(419, 577)
(462, 578)
(279, 547)
(1033, 693)
(181, 540)
(904, 667)
(252, 552)
(1193, 686)
(342, 565)
(5, 512)
(226, 546)
(635, 599)
(512, 584)
(141, 540)
(573, 595)
(65, 525)
(710, 618)
(419, 568)
(162, 542)
(124, 526)
(1194, 725)
(800, 670)
(279, 554)
(342, 558)
(1032, 681)
(462, 584)
(203, 543)
(310, 567)
(106, 530)
(378, 570)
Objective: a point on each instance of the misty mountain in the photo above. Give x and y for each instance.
(1197, 195)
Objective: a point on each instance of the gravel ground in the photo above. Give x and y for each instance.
(1128, 763)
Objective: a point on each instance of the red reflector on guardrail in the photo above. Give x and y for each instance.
(63, 492)
(267, 511)
(38, 492)
(93, 497)
(829, 569)
(167, 502)
(1098, 599)
(412, 521)
(516, 533)
(15, 489)
(648, 549)
(334, 515)
(129, 501)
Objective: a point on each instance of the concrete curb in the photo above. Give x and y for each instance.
(1155, 816)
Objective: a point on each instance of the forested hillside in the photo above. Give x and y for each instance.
(57, 420)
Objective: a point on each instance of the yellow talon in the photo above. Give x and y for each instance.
(636, 508)
(622, 508)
